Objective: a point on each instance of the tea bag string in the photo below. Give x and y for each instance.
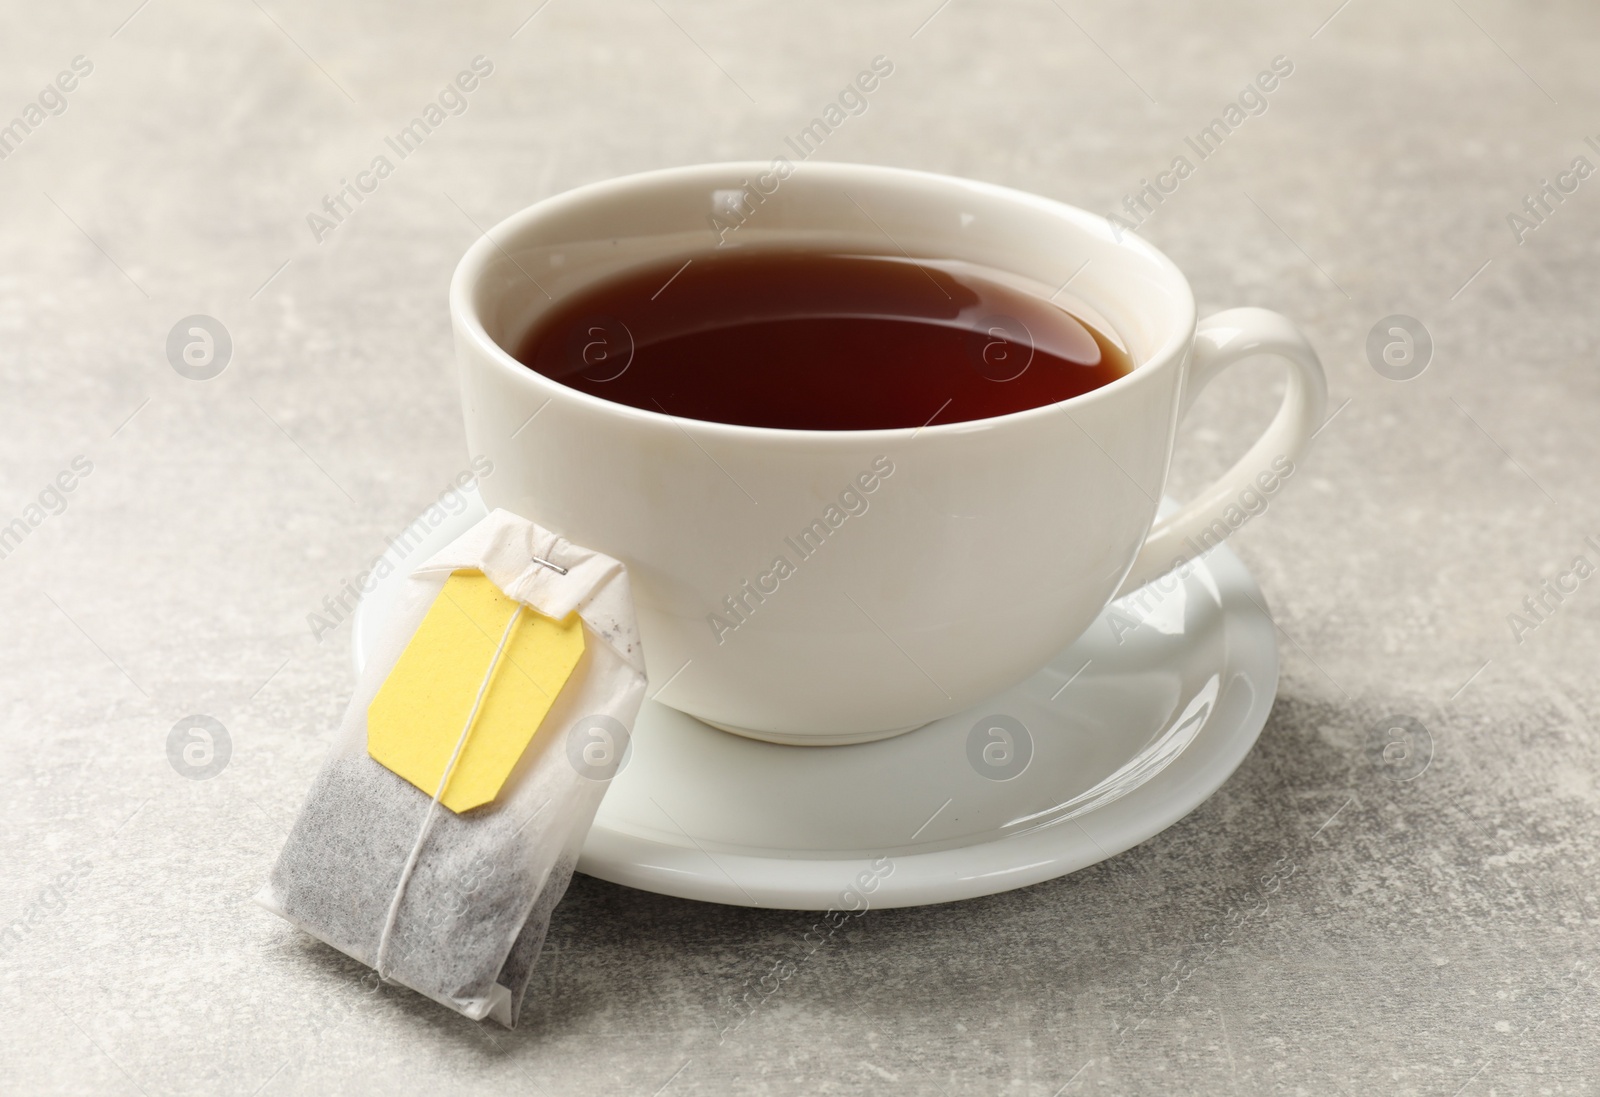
(438, 794)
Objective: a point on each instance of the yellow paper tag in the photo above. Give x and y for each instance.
(415, 721)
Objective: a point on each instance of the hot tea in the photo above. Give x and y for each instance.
(820, 341)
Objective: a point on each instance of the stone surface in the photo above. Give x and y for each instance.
(1316, 927)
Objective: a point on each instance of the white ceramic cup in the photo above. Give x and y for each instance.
(926, 567)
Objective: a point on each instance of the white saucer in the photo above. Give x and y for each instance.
(1126, 738)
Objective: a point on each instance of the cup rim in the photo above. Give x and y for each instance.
(493, 243)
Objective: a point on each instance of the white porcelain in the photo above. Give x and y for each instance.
(990, 546)
(1127, 738)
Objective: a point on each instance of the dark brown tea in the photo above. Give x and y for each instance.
(819, 341)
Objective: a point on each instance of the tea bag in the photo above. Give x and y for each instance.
(448, 818)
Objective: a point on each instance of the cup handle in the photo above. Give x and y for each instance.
(1220, 341)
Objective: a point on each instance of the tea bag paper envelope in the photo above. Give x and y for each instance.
(465, 924)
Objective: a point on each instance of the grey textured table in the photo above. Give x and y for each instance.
(1318, 926)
